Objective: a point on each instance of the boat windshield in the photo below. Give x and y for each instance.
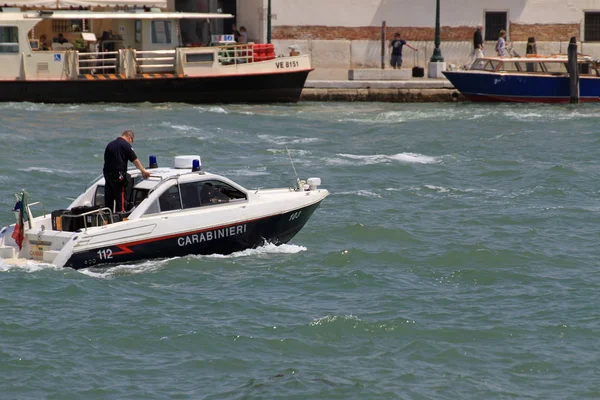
(485, 65)
(556, 67)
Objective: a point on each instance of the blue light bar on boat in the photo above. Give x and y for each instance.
(153, 163)
(195, 165)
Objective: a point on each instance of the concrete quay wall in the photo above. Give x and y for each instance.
(384, 95)
(409, 91)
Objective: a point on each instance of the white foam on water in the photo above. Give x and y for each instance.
(283, 140)
(332, 318)
(260, 171)
(408, 158)
(216, 110)
(293, 152)
(29, 266)
(126, 269)
(361, 193)
(414, 158)
(439, 189)
(268, 248)
(184, 127)
(49, 170)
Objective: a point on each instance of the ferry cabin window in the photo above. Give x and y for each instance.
(591, 31)
(70, 25)
(161, 32)
(197, 194)
(170, 199)
(494, 22)
(200, 57)
(9, 39)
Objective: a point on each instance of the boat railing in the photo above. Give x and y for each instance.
(99, 213)
(232, 54)
(155, 61)
(30, 215)
(98, 62)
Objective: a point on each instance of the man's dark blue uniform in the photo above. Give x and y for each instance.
(116, 155)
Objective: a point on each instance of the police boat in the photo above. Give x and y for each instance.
(177, 211)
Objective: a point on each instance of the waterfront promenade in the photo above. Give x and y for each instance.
(413, 90)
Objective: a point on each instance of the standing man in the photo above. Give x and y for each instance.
(396, 46)
(478, 42)
(116, 155)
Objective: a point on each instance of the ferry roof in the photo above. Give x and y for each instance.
(136, 14)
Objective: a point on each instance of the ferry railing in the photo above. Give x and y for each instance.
(102, 62)
(155, 60)
(232, 54)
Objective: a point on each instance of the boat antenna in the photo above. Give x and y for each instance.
(290, 156)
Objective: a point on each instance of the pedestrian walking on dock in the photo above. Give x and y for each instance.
(501, 44)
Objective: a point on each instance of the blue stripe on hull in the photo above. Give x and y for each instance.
(507, 87)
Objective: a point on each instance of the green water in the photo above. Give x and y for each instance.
(456, 257)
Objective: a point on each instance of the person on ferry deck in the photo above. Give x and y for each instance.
(236, 33)
(243, 38)
(116, 155)
(44, 43)
(60, 39)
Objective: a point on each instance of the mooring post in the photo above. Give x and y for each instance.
(573, 71)
(383, 29)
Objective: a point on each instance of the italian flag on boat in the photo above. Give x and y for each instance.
(18, 234)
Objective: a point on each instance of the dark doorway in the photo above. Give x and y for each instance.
(229, 7)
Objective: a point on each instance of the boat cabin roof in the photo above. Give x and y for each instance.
(133, 14)
(159, 175)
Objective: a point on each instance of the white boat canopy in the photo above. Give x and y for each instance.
(87, 3)
(122, 15)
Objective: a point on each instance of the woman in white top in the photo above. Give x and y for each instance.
(501, 44)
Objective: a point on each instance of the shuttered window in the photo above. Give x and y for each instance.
(494, 22)
(592, 27)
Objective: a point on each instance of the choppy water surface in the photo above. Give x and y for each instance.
(457, 257)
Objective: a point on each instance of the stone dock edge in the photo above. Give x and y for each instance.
(426, 91)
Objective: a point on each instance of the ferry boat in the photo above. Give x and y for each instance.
(526, 79)
(178, 211)
(143, 61)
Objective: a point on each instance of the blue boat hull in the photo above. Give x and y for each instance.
(482, 86)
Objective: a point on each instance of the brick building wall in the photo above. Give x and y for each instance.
(516, 32)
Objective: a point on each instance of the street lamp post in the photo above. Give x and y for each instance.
(437, 53)
(269, 21)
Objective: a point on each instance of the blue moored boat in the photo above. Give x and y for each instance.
(526, 79)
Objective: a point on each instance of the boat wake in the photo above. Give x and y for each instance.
(8, 265)
(148, 266)
(268, 248)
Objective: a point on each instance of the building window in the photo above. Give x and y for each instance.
(9, 39)
(70, 25)
(161, 31)
(494, 23)
(592, 27)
